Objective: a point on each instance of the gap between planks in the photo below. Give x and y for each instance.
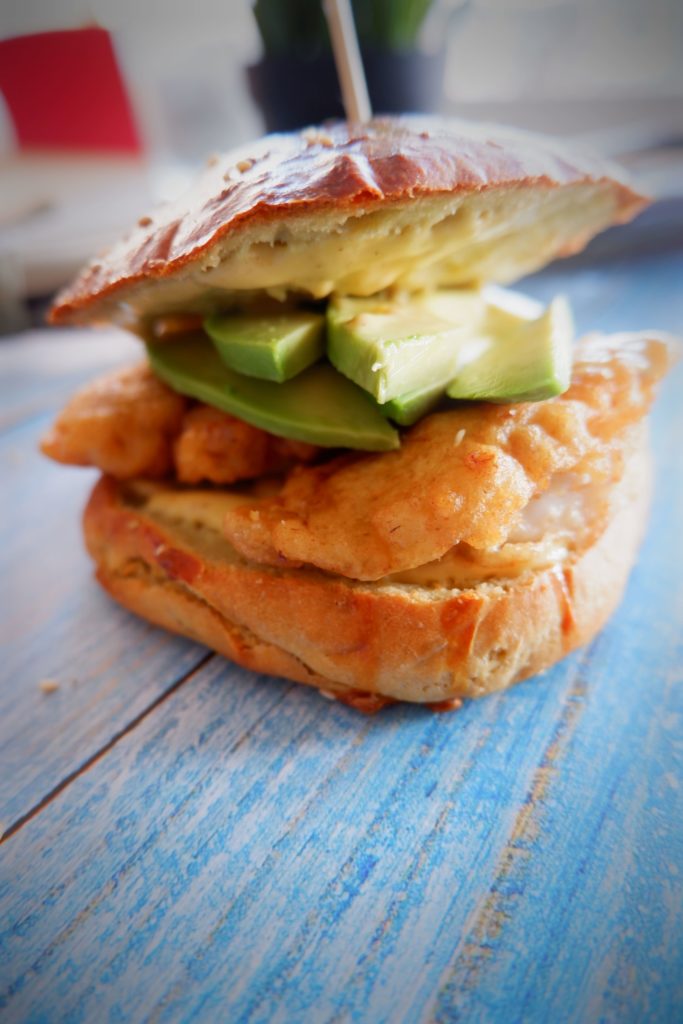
(12, 829)
(496, 907)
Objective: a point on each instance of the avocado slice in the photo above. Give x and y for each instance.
(319, 405)
(269, 347)
(409, 408)
(528, 360)
(392, 347)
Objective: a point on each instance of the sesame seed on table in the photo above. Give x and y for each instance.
(186, 841)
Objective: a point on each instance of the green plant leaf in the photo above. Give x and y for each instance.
(298, 27)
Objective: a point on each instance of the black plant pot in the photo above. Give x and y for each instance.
(293, 92)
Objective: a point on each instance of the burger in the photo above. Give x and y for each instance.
(349, 455)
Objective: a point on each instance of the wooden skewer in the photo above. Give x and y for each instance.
(348, 60)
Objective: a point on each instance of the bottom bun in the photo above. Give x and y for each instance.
(160, 552)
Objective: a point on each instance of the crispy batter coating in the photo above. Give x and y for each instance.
(123, 423)
(215, 446)
(460, 476)
(130, 424)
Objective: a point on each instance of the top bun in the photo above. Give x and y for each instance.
(407, 202)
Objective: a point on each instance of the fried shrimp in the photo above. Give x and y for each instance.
(130, 424)
(215, 446)
(124, 423)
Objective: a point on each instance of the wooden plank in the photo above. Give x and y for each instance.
(56, 624)
(239, 834)
(39, 370)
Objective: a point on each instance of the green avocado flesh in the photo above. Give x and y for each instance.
(393, 347)
(409, 353)
(529, 360)
(269, 347)
(411, 407)
(319, 405)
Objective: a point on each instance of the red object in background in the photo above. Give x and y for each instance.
(64, 91)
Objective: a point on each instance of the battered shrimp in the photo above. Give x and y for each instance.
(215, 446)
(124, 423)
(131, 425)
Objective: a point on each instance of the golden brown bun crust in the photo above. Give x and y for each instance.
(368, 644)
(344, 168)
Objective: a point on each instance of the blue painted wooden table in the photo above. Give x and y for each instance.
(184, 841)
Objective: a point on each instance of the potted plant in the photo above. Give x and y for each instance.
(295, 82)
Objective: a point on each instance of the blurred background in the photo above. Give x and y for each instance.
(109, 106)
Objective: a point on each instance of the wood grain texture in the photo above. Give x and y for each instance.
(57, 625)
(41, 369)
(250, 852)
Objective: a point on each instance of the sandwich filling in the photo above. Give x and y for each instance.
(476, 491)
